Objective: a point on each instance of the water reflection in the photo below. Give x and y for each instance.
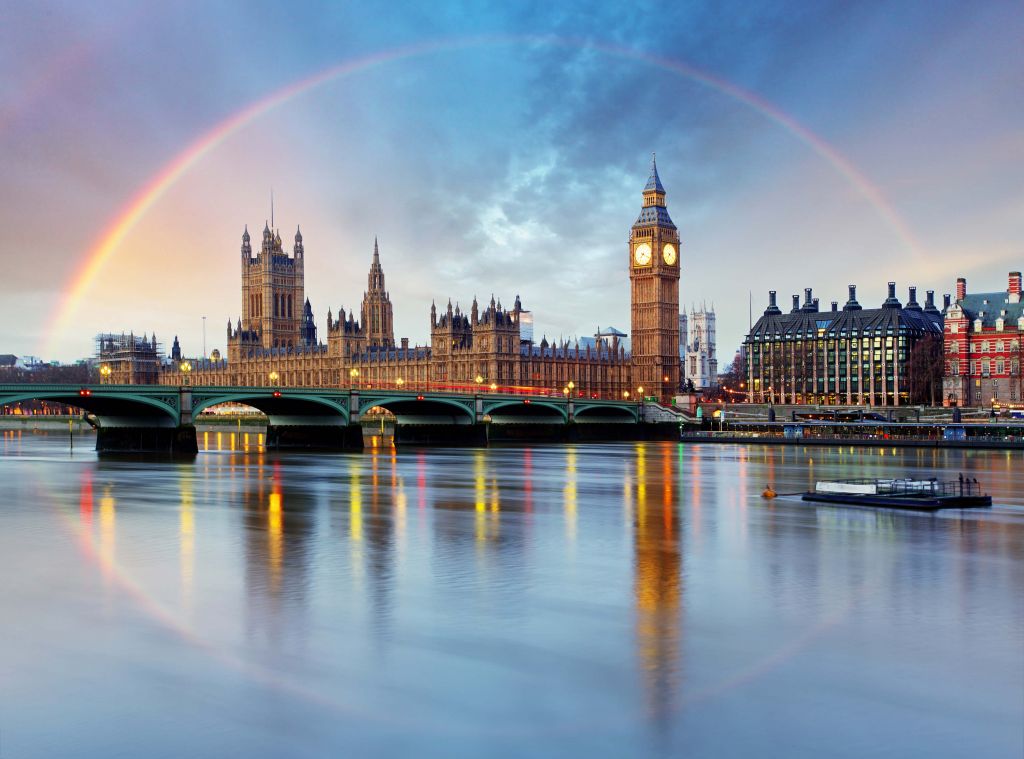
(279, 529)
(657, 584)
(528, 598)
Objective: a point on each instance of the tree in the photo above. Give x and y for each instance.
(924, 370)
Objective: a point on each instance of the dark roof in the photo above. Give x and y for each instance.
(869, 321)
(990, 306)
(654, 215)
(654, 182)
(8, 359)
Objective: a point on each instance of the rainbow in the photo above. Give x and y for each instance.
(130, 215)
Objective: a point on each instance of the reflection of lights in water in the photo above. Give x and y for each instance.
(528, 479)
(421, 481)
(186, 540)
(275, 538)
(570, 495)
(85, 500)
(355, 518)
(107, 531)
(641, 472)
(485, 528)
(220, 441)
(206, 440)
(657, 591)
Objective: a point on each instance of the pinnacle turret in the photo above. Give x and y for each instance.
(654, 181)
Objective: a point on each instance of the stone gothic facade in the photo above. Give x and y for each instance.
(274, 342)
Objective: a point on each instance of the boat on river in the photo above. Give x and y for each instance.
(916, 495)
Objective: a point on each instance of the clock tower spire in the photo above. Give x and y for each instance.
(654, 294)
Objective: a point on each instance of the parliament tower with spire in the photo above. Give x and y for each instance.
(273, 291)
(654, 293)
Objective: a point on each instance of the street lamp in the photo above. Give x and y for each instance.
(274, 377)
(494, 387)
(565, 391)
(571, 386)
(105, 372)
(353, 375)
(185, 367)
(399, 382)
(479, 380)
(625, 394)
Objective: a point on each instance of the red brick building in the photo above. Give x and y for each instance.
(983, 339)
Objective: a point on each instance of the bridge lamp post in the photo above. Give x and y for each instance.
(571, 385)
(399, 382)
(105, 372)
(273, 377)
(185, 368)
(353, 375)
(494, 387)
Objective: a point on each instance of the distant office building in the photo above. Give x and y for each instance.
(526, 327)
(697, 348)
(888, 356)
(984, 335)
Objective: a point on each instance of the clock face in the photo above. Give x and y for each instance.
(642, 254)
(669, 253)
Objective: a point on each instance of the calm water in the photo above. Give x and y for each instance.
(612, 600)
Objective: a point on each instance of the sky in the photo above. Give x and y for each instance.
(497, 148)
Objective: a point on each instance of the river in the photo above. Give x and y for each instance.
(610, 600)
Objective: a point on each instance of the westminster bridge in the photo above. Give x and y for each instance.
(159, 418)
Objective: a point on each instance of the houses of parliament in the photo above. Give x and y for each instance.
(275, 341)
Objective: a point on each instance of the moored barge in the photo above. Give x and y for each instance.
(916, 495)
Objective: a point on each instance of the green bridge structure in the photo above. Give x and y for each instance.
(161, 418)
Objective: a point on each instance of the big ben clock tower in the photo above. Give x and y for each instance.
(654, 294)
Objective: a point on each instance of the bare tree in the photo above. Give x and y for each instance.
(925, 369)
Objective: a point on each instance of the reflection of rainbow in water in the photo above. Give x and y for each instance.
(102, 555)
(126, 219)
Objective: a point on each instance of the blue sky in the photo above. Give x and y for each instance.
(511, 164)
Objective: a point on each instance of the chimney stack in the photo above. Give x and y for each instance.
(961, 289)
(946, 299)
(835, 306)
(929, 302)
(807, 296)
(796, 303)
(814, 305)
(852, 304)
(772, 309)
(912, 304)
(891, 301)
(1013, 287)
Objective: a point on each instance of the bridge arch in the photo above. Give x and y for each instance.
(608, 413)
(107, 406)
(285, 405)
(431, 409)
(533, 411)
